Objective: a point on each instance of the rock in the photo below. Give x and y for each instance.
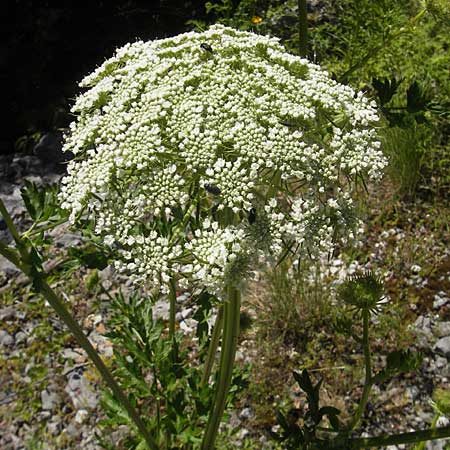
(442, 329)
(49, 149)
(442, 347)
(81, 392)
(7, 267)
(440, 362)
(440, 299)
(7, 313)
(246, 414)
(5, 338)
(68, 240)
(423, 324)
(435, 445)
(77, 357)
(20, 337)
(161, 309)
(49, 400)
(81, 416)
(185, 313)
(413, 392)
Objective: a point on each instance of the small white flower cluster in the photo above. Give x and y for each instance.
(213, 250)
(221, 125)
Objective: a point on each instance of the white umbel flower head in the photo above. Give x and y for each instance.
(225, 127)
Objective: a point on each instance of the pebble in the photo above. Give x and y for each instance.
(7, 313)
(246, 414)
(5, 338)
(81, 416)
(49, 400)
(442, 329)
(440, 299)
(442, 347)
(20, 337)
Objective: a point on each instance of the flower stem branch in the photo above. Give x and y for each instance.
(227, 355)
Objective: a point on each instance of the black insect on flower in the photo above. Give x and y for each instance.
(252, 216)
(206, 47)
(212, 189)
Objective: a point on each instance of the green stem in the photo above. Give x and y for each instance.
(303, 28)
(227, 354)
(368, 370)
(172, 310)
(32, 231)
(212, 350)
(421, 446)
(403, 438)
(83, 341)
(57, 304)
(9, 223)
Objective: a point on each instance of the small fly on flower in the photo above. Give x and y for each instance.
(206, 47)
(252, 216)
(212, 189)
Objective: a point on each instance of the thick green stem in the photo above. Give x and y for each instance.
(227, 354)
(172, 310)
(212, 350)
(368, 369)
(403, 438)
(303, 28)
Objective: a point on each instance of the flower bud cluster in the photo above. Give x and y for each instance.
(178, 140)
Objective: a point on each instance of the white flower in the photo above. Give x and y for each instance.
(169, 135)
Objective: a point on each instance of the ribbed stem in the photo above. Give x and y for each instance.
(403, 438)
(172, 310)
(212, 350)
(227, 354)
(303, 28)
(368, 376)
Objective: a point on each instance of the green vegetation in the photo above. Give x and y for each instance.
(311, 341)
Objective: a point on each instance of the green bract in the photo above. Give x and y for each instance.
(206, 149)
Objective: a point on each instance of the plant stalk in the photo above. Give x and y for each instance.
(368, 373)
(172, 311)
(227, 355)
(84, 342)
(402, 438)
(212, 350)
(421, 446)
(9, 223)
(57, 304)
(303, 28)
